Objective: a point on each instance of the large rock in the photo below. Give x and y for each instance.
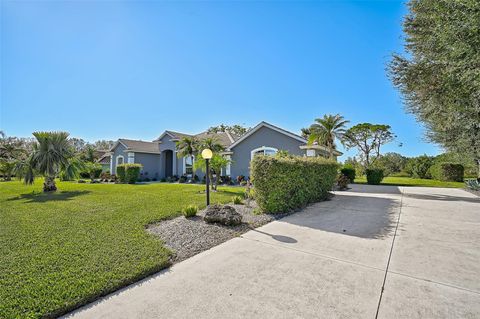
(222, 214)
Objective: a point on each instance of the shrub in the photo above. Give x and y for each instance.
(237, 200)
(121, 173)
(374, 176)
(449, 172)
(183, 179)
(81, 181)
(419, 167)
(249, 193)
(342, 182)
(190, 211)
(473, 184)
(240, 178)
(283, 184)
(349, 172)
(128, 173)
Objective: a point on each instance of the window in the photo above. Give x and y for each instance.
(264, 150)
(310, 153)
(119, 159)
(131, 157)
(188, 165)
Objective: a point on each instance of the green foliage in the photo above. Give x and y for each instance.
(450, 172)
(419, 167)
(236, 129)
(342, 182)
(349, 172)
(237, 200)
(408, 181)
(217, 162)
(285, 184)
(439, 76)
(190, 211)
(7, 168)
(82, 242)
(356, 164)
(368, 138)
(374, 176)
(325, 130)
(94, 170)
(391, 163)
(473, 184)
(132, 172)
(121, 173)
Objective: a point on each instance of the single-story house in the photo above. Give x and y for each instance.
(160, 160)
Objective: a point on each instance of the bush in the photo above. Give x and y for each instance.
(121, 173)
(473, 184)
(419, 167)
(240, 178)
(237, 200)
(128, 173)
(349, 172)
(284, 184)
(183, 179)
(449, 172)
(342, 182)
(374, 176)
(190, 211)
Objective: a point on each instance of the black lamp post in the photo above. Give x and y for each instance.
(207, 155)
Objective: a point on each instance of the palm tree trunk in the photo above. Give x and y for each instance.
(49, 184)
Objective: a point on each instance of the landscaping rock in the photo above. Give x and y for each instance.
(222, 214)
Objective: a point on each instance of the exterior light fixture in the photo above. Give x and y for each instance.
(207, 155)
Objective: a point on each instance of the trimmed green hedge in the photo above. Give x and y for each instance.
(449, 172)
(283, 184)
(129, 173)
(348, 172)
(374, 175)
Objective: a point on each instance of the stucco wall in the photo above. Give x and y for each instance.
(263, 137)
(151, 164)
(119, 150)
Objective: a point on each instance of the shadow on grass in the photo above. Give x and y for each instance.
(48, 197)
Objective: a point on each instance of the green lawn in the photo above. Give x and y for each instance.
(407, 181)
(59, 251)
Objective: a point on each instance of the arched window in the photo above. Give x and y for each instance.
(119, 159)
(264, 150)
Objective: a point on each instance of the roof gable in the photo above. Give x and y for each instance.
(270, 126)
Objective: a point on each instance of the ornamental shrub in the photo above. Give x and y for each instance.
(283, 184)
(121, 173)
(132, 172)
(449, 172)
(374, 176)
(349, 172)
(419, 167)
(190, 211)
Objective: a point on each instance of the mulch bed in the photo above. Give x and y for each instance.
(187, 237)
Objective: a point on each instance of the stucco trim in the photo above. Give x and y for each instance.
(116, 160)
(131, 150)
(270, 126)
(116, 144)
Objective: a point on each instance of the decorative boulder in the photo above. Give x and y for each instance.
(222, 214)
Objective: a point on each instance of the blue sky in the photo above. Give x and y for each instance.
(105, 69)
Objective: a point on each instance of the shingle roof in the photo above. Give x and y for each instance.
(178, 134)
(223, 138)
(105, 159)
(141, 146)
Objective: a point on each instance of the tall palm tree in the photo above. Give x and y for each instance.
(325, 130)
(51, 155)
(213, 144)
(188, 146)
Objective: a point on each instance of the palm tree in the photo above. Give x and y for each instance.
(216, 164)
(306, 132)
(188, 146)
(213, 144)
(326, 130)
(51, 155)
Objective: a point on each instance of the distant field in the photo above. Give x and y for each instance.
(407, 181)
(62, 250)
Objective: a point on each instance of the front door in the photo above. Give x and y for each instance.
(168, 163)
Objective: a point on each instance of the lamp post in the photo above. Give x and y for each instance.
(207, 155)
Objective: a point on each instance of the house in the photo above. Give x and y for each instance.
(160, 159)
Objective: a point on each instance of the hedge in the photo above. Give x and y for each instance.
(449, 172)
(132, 172)
(349, 172)
(283, 184)
(121, 173)
(374, 175)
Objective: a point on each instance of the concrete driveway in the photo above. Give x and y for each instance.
(370, 252)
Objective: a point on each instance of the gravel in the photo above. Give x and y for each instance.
(187, 237)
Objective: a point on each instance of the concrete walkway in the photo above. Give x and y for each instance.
(371, 252)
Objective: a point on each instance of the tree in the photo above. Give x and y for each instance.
(103, 144)
(211, 143)
(51, 155)
(368, 138)
(439, 75)
(305, 132)
(326, 130)
(236, 129)
(217, 162)
(188, 146)
(391, 163)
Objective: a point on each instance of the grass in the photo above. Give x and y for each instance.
(407, 181)
(59, 251)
